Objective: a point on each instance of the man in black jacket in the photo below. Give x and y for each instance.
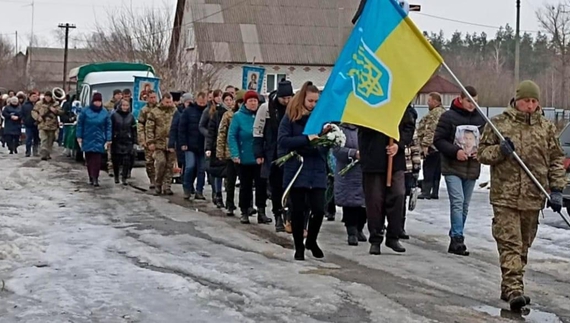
(265, 130)
(32, 132)
(382, 201)
(456, 137)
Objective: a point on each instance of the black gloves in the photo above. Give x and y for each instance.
(556, 201)
(507, 147)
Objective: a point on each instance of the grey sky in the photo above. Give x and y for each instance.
(480, 15)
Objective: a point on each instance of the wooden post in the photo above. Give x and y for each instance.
(390, 162)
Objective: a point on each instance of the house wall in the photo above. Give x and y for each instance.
(232, 74)
(446, 98)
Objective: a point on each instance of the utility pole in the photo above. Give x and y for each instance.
(518, 44)
(67, 26)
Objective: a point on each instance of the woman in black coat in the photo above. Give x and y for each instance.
(124, 139)
(12, 115)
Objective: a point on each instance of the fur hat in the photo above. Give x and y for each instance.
(97, 97)
(250, 95)
(527, 90)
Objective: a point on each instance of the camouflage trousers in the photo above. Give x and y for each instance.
(514, 231)
(47, 138)
(109, 161)
(164, 165)
(149, 164)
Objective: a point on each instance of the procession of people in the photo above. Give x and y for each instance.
(222, 136)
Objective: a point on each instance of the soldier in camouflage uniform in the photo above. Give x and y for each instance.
(141, 135)
(45, 113)
(432, 162)
(157, 131)
(516, 200)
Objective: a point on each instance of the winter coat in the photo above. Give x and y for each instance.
(124, 132)
(291, 138)
(536, 143)
(27, 119)
(222, 147)
(240, 136)
(444, 141)
(189, 133)
(46, 118)
(427, 126)
(157, 126)
(94, 128)
(141, 124)
(265, 130)
(348, 191)
(372, 143)
(12, 127)
(67, 115)
(110, 106)
(213, 127)
(173, 141)
(204, 121)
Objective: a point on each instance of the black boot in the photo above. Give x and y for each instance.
(352, 235)
(457, 247)
(90, 180)
(375, 249)
(505, 298)
(298, 228)
(279, 225)
(435, 191)
(315, 223)
(219, 201)
(404, 235)
(426, 190)
(517, 301)
(124, 181)
(395, 245)
(244, 217)
(117, 179)
(262, 218)
(361, 237)
(96, 182)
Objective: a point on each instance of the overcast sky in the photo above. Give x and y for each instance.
(448, 15)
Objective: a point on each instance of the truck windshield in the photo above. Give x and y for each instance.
(107, 89)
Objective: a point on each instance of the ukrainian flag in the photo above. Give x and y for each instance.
(383, 65)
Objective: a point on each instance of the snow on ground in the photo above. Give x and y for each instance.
(69, 252)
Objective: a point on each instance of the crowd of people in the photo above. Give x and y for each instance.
(219, 136)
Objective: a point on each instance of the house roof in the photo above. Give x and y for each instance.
(438, 83)
(292, 32)
(47, 63)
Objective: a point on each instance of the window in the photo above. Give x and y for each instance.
(273, 80)
(190, 37)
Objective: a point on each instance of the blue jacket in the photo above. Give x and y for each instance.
(348, 191)
(27, 119)
(173, 136)
(12, 127)
(240, 136)
(291, 138)
(189, 129)
(95, 128)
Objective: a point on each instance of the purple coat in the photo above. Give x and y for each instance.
(348, 191)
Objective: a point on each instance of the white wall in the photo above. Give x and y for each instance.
(232, 74)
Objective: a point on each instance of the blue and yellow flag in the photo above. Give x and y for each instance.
(383, 65)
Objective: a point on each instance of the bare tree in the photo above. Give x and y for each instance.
(555, 21)
(144, 36)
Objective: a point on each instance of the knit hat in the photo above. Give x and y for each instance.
(13, 100)
(97, 97)
(250, 95)
(284, 89)
(240, 94)
(176, 95)
(187, 97)
(527, 90)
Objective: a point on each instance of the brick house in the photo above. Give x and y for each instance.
(438, 83)
(296, 39)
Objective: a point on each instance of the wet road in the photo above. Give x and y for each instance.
(74, 253)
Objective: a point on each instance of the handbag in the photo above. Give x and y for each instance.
(216, 168)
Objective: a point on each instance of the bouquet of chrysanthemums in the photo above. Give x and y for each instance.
(332, 137)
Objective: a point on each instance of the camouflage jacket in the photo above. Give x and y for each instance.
(141, 123)
(222, 147)
(157, 127)
(426, 128)
(535, 141)
(45, 118)
(110, 106)
(413, 157)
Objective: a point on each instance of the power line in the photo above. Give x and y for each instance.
(470, 23)
(75, 4)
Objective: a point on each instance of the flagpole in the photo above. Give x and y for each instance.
(498, 133)
(390, 163)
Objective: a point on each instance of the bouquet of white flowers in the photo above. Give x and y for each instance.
(332, 137)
